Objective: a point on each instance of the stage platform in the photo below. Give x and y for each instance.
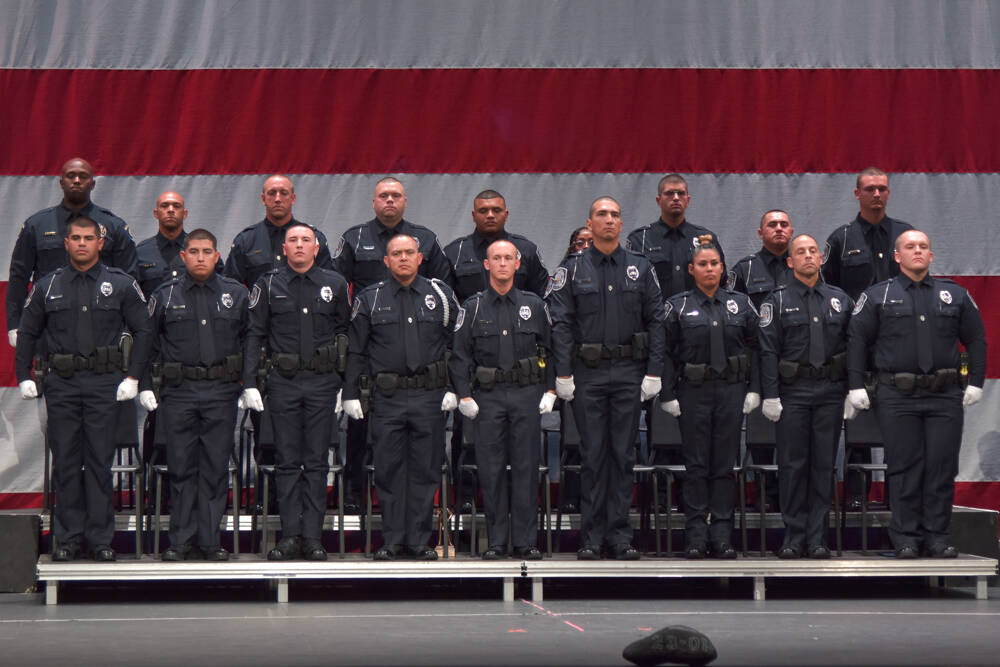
(354, 566)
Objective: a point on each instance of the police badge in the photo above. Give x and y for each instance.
(945, 295)
(227, 300)
(326, 293)
(106, 288)
(430, 302)
(525, 313)
(766, 314)
(732, 306)
(632, 272)
(835, 304)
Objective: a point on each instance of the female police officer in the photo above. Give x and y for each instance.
(711, 363)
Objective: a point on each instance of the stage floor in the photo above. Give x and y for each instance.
(437, 622)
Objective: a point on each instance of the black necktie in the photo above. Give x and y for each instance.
(306, 299)
(206, 339)
(678, 258)
(817, 355)
(170, 252)
(505, 357)
(880, 248)
(921, 316)
(84, 322)
(612, 335)
(411, 344)
(716, 338)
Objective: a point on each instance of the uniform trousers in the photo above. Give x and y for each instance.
(302, 410)
(807, 437)
(199, 418)
(408, 432)
(82, 415)
(606, 408)
(508, 432)
(710, 422)
(922, 433)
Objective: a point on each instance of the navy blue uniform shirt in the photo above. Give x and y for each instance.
(860, 254)
(757, 274)
(466, 255)
(257, 249)
(671, 249)
(360, 253)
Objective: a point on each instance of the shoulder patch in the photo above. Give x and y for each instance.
(459, 318)
(667, 309)
(32, 291)
(151, 305)
(254, 296)
(558, 280)
(969, 297)
(862, 300)
(731, 277)
(766, 314)
(826, 252)
(355, 308)
(340, 248)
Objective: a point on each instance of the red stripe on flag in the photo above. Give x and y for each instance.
(137, 122)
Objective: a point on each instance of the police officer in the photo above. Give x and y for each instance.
(39, 247)
(712, 371)
(199, 324)
(400, 330)
(498, 368)
(259, 248)
(756, 275)
(299, 313)
(914, 322)
(607, 336)
(670, 241)
(159, 256)
(359, 257)
(78, 313)
(858, 255)
(803, 368)
(466, 255)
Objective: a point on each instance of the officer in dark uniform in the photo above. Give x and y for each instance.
(401, 329)
(713, 370)
(79, 313)
(199, 323)
(607, 335)
(360, 258)
(671, 240)
(39, 247)
(466, 255)
(159, 256)
(498, 368)
(756, 275)
(915, 322)
(299, 313)
(858, 255)
(803, 368)
(258, 248)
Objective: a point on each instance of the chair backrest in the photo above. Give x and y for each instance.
(760, 430)
(664, 429)
(570, 433)
(863, 430)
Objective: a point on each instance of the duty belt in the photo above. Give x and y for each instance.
(524, 373)
(790, 371)
(935, 382)
(322, 361)
(434, 376)
(104, 360)
(735, 371)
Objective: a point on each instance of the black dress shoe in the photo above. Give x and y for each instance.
(288, 548)
(313, 550)
(588, 552)
(527, 553)
(494, 553)
(102, 553)
(172, 555)
(66, 552)
(624, 552)
(352, 507)
(695, 552)
(217, 554)
(906, 552)
(385, 553)
(724, 551)
(819, 551)
(788, 553)
(854, 505)
(466, 508)
(942, 550)
(424, 553)
(569, 508)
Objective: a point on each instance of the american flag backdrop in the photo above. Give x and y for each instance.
(776, 103)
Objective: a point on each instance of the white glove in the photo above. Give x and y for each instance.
(850, 412)
(28, 389)
(565, 388)
(972, 395)
(450, 402)
(250, 399)
(148, 400)
(352, 407)
(12, 337)
(547, 402)
(771, 407)
(338, 409)
(651, 386)
(671, 407)
(751, 402)
(859, 399)
(127, 390)
(468, 407)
